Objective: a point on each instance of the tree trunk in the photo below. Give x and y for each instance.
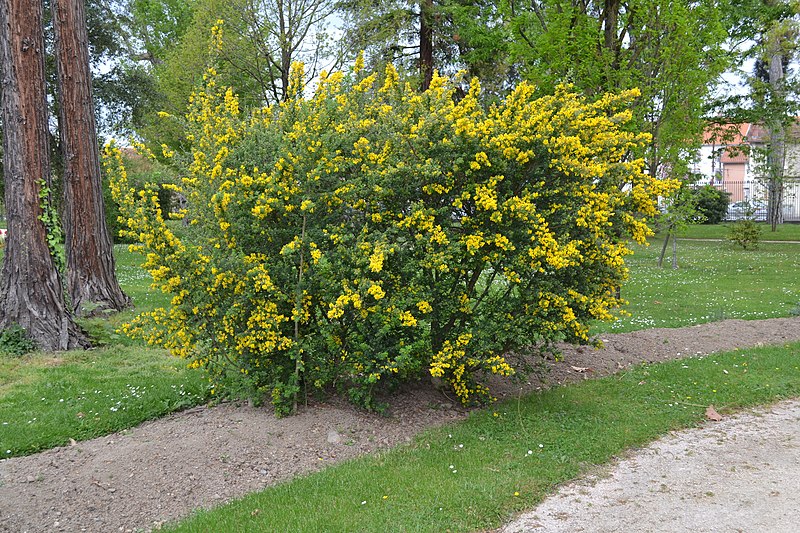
(664, 248)
(609, 20)
(777, 133)
(674, 251)
(31, 294)
(425, 44)
(91, 278)
(285, 50)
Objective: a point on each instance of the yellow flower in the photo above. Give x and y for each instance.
(359, 64)
(376, 260)
(376, 291)
(407, 319)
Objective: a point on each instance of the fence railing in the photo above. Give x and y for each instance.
(749, 198)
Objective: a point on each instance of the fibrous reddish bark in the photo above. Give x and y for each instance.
(91, 278)
(31, 293)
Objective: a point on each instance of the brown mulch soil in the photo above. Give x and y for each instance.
(162, 470)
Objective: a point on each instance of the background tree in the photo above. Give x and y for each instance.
(120, 82)
(764, 33)
(123, 87)
(445, 35)
(31, 293)
(712, 203)
(772, 94)
(679, 210)
(91, 278)
(262, 39)
(673, 51)
(390, 31)
(157, 25)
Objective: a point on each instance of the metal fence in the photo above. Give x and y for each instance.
(749, 198)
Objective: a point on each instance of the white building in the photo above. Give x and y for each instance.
(732, 158)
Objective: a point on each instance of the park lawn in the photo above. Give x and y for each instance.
(714, 281)
(48, 399)
(784, 232)
(474, 475)
(135, 281)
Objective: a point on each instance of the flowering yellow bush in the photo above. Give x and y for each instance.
(373, 234)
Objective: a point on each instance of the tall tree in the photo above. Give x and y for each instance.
(423, 35)
(672, 50)
(764, 33)
(425, 43)
(261, 40)
(772, 94)
(91, 279)
(158, 25)
(122, 84)
(31, 294)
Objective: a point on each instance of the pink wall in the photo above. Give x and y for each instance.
(733, 181)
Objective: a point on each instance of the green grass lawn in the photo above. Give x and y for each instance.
(474, 475)
(714, 281)
(46, 400)
(135, 281)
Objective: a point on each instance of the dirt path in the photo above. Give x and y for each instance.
(162, 470)
(741, 474)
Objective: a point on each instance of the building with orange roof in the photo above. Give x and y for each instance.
(732, 159)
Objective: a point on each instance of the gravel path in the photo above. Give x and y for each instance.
(164, 469)
(740, 474)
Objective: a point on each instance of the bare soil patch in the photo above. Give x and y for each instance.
(163, 469)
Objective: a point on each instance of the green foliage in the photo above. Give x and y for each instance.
(52, 223)
(745, 233)
(160, 24)
(672, 50)
(263, 39)
(679, 209)
(371, 234)
(182, 53)
(712, 203)
(468, 35)
(768, 35)
(15, 341)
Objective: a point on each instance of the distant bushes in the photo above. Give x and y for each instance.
(712, 203)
